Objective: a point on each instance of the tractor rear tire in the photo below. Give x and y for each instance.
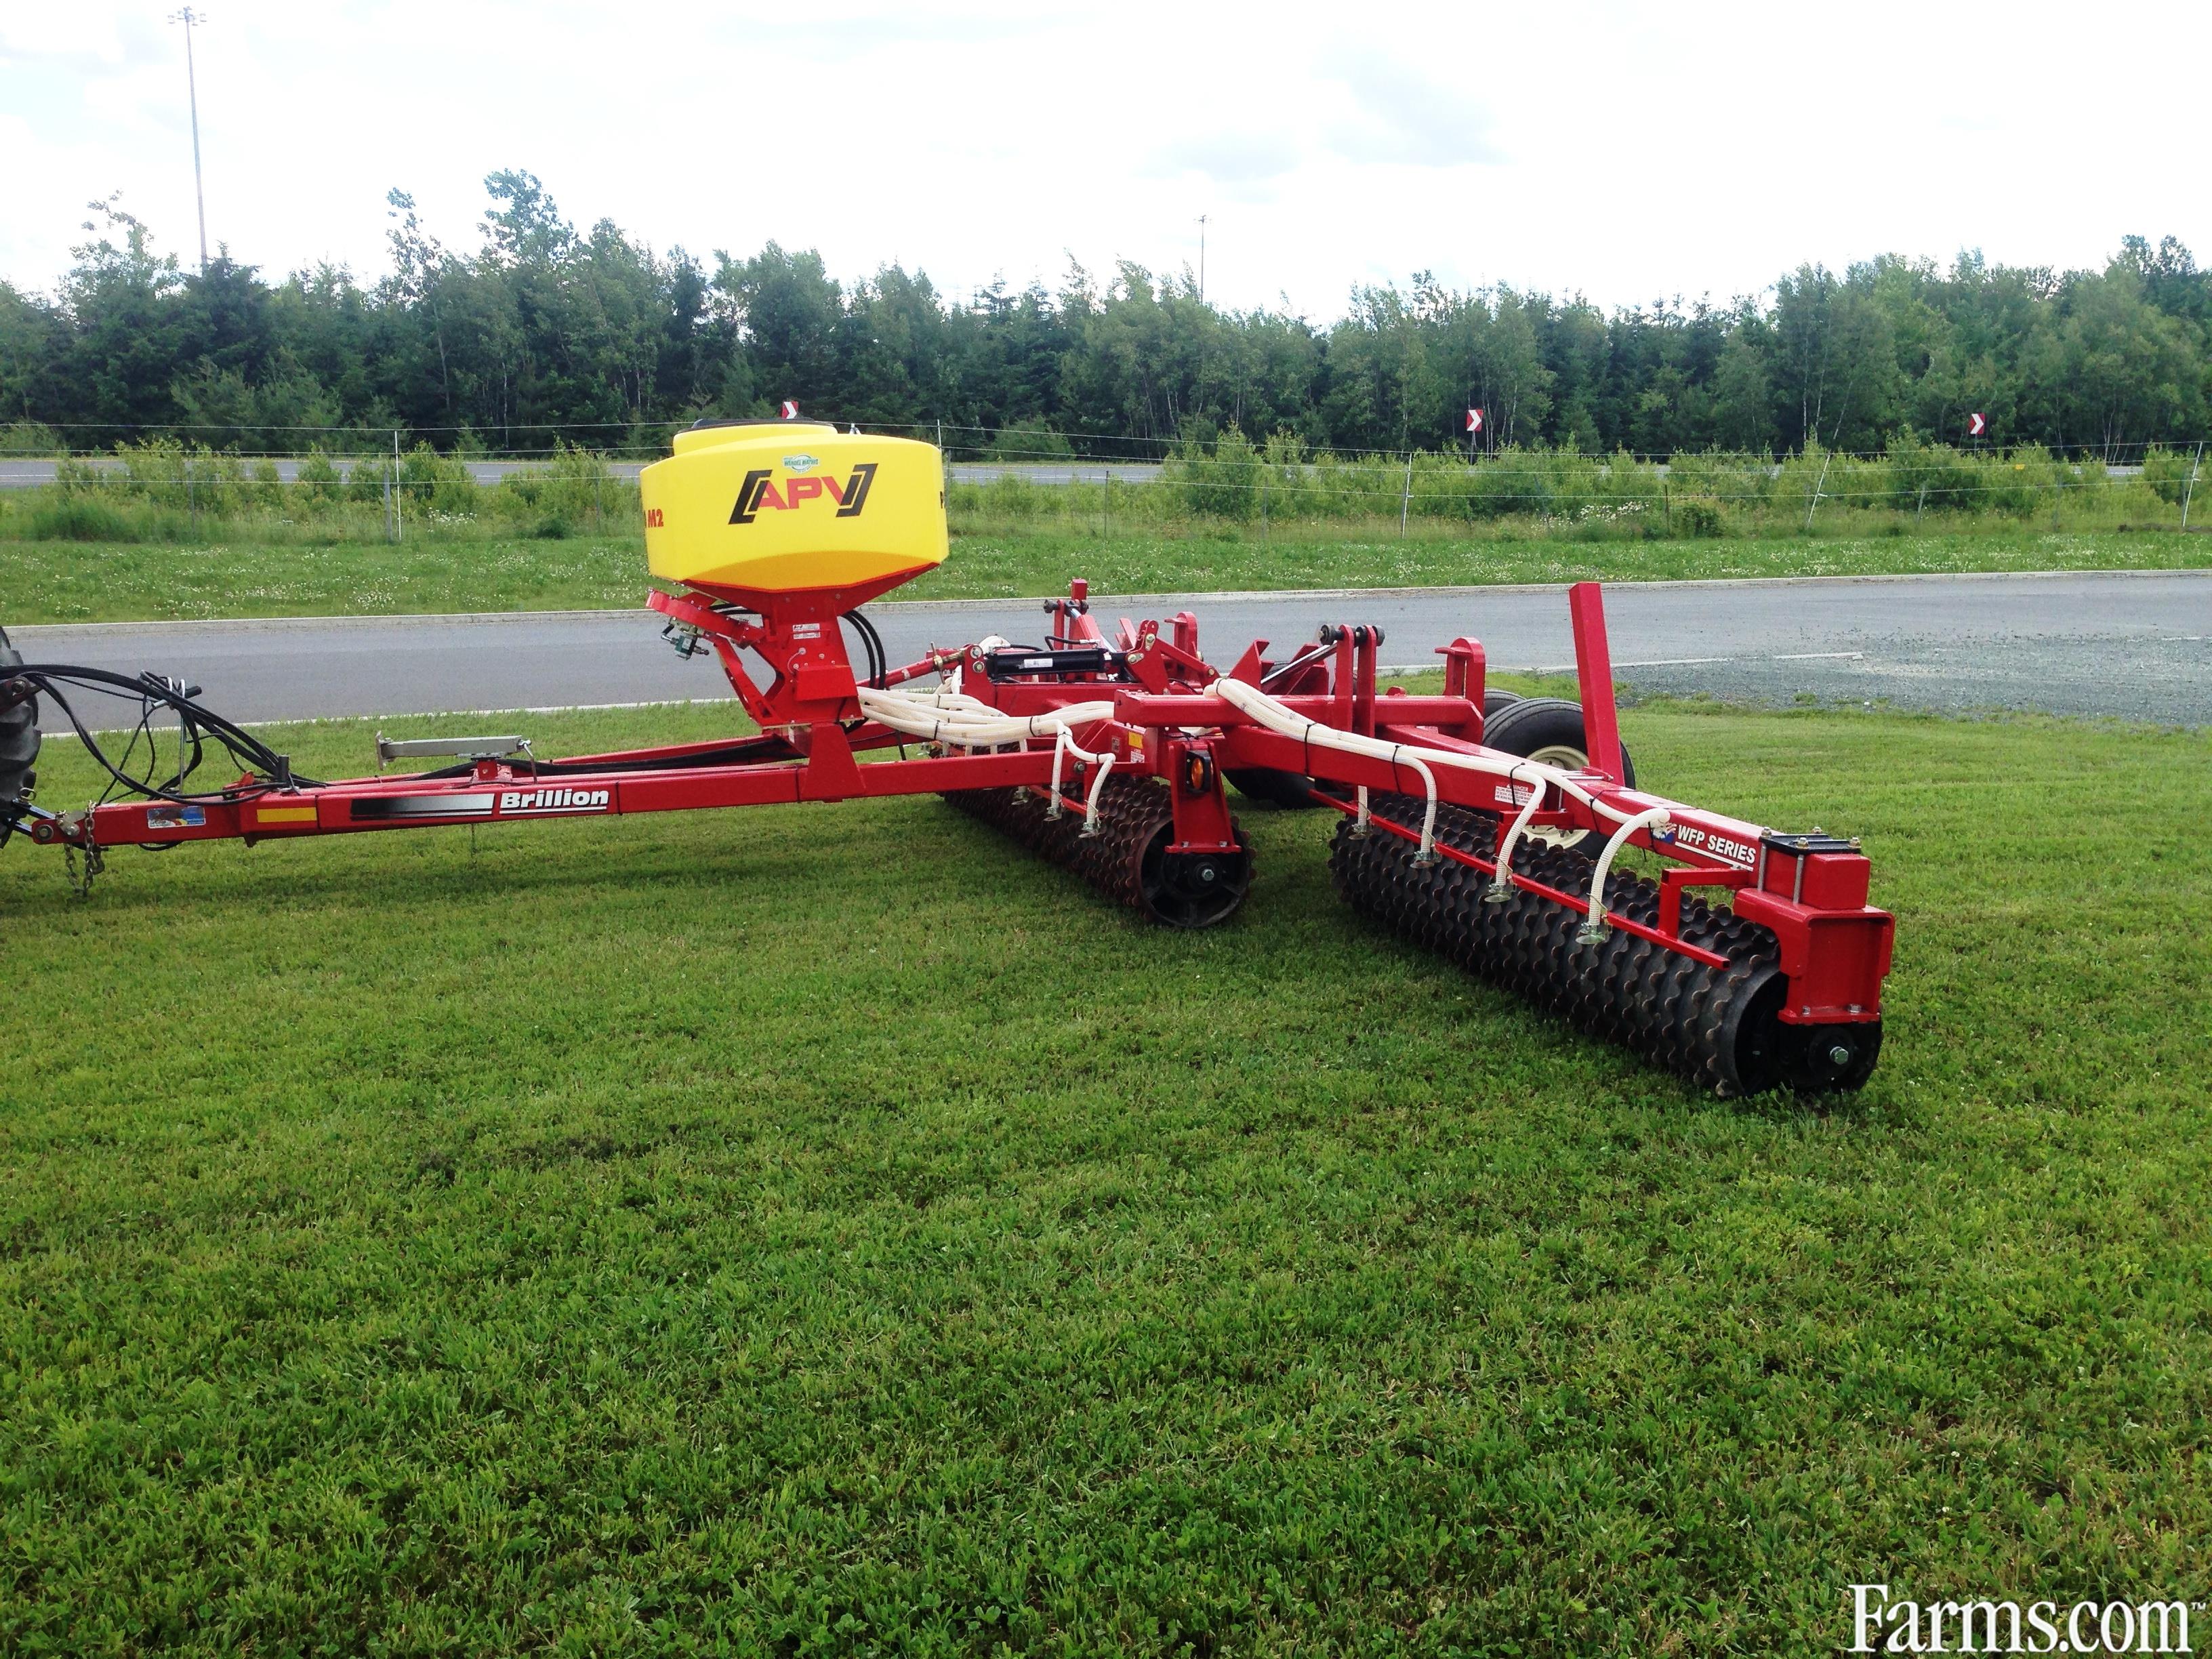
(18, 742)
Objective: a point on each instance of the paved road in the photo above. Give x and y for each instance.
(22, 474)
(2138, 646)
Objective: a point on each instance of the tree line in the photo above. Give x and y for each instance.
(594, 335)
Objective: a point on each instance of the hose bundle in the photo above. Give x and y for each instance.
(198, 728)
(948, 715)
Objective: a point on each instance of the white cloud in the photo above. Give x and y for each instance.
(1400, 114)
(1625, 150)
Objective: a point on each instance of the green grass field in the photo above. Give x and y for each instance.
(826, 1230)
(70, 581)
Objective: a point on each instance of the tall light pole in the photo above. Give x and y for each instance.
(1202, 258)
(187, 17)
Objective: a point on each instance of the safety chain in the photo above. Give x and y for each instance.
(96, 861)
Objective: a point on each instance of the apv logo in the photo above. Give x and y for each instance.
(759, 493)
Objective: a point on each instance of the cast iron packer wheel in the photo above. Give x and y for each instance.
(1192, 890)
(1549, 729)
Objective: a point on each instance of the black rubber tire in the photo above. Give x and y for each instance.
(1495, 703)
(1528, 725)
(19, 739)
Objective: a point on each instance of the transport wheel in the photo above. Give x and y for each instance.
(1495, 703)
(1549, 729)
(19, 739)
(1289, 791)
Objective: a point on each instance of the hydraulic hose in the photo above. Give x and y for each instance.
(197, 720)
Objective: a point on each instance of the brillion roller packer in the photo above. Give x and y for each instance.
(1485, 827)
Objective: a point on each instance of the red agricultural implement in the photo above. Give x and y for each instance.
(1481, 825)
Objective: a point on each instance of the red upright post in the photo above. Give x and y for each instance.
(1594, 669)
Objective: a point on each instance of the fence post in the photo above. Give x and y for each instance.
(1921, 508)
(1826, 456)
(193, 505)
(1405, 501)
(1106, 511)
(1263, 507)
(2191, 490)
(1667, 505)
(398, 494)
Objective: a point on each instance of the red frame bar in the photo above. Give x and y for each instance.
(1594, 673)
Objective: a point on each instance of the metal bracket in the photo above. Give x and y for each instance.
(476, 749)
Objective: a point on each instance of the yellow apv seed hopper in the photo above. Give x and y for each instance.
(749, 508)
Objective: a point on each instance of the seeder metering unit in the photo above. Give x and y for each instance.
(1484, 826)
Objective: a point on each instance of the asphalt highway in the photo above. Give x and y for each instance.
(2138, 646)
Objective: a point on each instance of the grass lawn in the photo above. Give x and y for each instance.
(828, 1230)
(68, 581)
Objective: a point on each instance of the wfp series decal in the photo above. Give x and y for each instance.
(521, 803)
(1720, 846)
(759, 493)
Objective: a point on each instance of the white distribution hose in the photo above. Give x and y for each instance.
(1594, 930)
(1276, 717)
(1064, 743)
(950, 716)
(1501, 880)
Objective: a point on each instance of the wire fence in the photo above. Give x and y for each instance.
(568, 488)
(1523, 494)
(1020, 441)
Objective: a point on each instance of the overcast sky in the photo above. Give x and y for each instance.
(1625, 151)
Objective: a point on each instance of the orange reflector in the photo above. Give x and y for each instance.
(283, 815)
